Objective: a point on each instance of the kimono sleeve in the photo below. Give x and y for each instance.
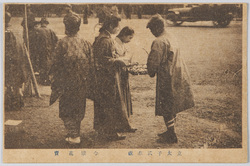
(56, 71)
(154, 58)
(106, 51)
(57, 61)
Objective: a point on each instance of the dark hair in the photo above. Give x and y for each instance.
(71, 30)
(156, 22)
(72, 24)
(126, 31)
(112, 21)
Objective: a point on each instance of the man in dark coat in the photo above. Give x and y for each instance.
(69, 74)
(173, 88)
(14, 68)
(46, 40)
(158, 64)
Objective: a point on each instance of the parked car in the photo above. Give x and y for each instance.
(220, 14)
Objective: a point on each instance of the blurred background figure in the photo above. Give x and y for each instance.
(85, 14)
(115, 10)
(139, 11)
(103, 13)
(32, 34)
(31, 47)
(14, 68)
(30, 18)
(68, 9)
(128, 11)
(46, 41)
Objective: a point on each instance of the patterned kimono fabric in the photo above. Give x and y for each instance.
(70, 71)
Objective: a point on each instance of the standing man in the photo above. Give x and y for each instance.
(102, 13)
(128, 11)
(158, 64)
(139, 12)
(14, 68)
(46, 40)
(68, 10)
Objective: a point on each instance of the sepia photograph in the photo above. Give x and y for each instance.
(124, 82)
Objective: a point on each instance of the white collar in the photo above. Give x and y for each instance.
(108, 32)
(118, 40)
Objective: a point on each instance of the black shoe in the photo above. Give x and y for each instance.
(115, 137)
(131, 130)
(162, 134)
(168, 137)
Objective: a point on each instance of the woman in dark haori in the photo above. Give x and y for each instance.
(69, 77)
(110, 115)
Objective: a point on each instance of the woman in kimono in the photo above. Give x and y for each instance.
(109, 117)
(124, 36)
(69, 74)
(122, 76)
(158, 63)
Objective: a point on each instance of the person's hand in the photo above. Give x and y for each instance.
(152, 75)
(124, 60)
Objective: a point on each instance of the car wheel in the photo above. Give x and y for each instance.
(171, 19)
(222, 23)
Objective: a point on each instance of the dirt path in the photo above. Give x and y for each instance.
(213, 56)
(42, 128)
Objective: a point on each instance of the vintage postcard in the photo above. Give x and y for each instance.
(125, 83)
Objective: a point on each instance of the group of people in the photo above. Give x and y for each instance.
(82, 70)
(41, 43)
(81, 67)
